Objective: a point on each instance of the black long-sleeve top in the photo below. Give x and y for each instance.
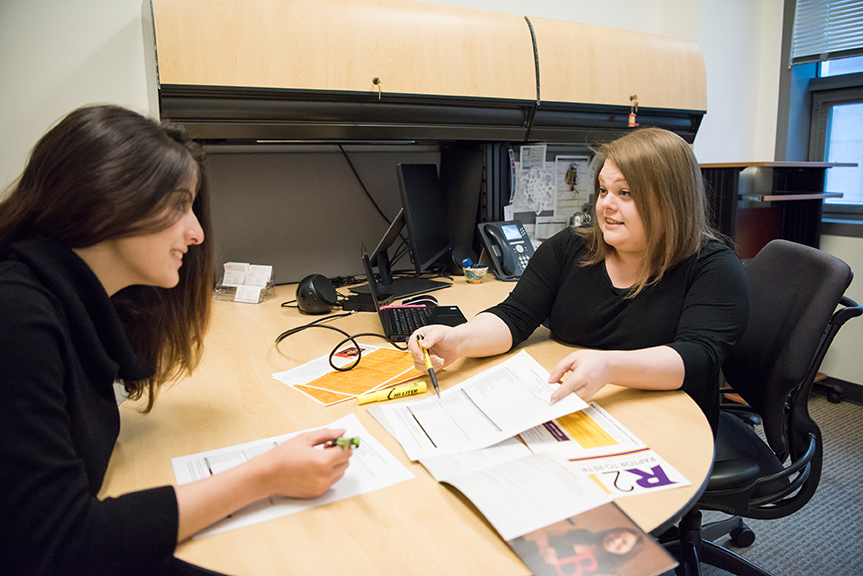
(61, 348)
(699, 308)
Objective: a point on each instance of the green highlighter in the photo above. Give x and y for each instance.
(346, 442)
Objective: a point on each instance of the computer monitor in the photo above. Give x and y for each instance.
(424, 216)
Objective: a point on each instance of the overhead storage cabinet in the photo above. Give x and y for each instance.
(598, 65)
(399, 69)
(412, 47)
(343, 70)
(586, 70)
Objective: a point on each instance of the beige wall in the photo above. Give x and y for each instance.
(844, 359)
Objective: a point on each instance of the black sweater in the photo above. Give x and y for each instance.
(699, 308)
(61, 348)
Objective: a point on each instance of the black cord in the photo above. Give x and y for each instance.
(319, 324)
(293, 331)
(360, 180)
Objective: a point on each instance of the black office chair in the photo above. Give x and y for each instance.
(795, 291)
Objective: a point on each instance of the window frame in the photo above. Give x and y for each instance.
(837, 218)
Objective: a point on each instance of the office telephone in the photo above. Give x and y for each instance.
(508, 246)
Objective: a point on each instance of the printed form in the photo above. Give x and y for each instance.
(371, 467)
(483, 410)
(523, 495)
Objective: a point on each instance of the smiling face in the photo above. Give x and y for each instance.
(617, 214)
(620, 542)
(154, 259)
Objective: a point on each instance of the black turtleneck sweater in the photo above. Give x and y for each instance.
(61, 348)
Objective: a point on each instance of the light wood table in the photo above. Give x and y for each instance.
(416, 527)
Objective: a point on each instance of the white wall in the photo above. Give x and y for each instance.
(741, 41)
(56, 56)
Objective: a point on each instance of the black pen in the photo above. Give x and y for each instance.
(429, 365)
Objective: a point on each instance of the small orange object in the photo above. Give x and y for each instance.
(633, 109)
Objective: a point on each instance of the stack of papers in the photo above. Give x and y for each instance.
(571, 456)
(481, 411)
(379, 368)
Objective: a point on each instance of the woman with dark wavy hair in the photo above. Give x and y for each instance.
(653, 296)
(106, 276)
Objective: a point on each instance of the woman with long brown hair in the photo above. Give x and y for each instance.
(106, 276)
(650, 292)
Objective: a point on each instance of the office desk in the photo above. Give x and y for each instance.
(416, 527)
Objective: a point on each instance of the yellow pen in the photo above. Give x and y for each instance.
(429, 365)
(392, 393)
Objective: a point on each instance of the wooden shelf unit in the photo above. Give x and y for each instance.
(771, 200)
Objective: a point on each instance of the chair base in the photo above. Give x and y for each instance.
(835, 394)
(693, 546)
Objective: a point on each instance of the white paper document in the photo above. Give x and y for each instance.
(523, 495)
(641, 472)
(596, 445)
(314, 369)
(442, 467)
(371, 467)
(481, 411)
(590, 432)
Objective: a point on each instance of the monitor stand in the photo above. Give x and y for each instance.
(404, 287)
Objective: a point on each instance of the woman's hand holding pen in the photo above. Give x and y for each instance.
(484, 335)
(297, 469)
(294, 468)
(442, 342)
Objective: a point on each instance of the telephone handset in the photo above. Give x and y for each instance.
(508, 247)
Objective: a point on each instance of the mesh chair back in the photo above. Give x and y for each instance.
(794, 290)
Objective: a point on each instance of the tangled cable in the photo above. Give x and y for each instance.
(319, 323)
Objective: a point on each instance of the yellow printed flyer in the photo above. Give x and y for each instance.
(378, 368)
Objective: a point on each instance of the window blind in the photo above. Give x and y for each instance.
(827, 30)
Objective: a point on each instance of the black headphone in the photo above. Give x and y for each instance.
(316, 295)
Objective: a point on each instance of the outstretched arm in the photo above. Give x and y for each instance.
(294, 468)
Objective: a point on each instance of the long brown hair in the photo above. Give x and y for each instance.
(105, 172)
(668, 190)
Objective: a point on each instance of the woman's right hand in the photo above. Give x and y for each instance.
(442, 343)
(296, 468)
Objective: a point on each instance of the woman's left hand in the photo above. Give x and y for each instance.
(583, 372)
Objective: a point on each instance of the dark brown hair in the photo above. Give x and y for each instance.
(104, 172)
(666, 185)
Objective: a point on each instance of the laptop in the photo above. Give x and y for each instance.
(400, 321)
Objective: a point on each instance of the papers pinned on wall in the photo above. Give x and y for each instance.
(550, 196)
